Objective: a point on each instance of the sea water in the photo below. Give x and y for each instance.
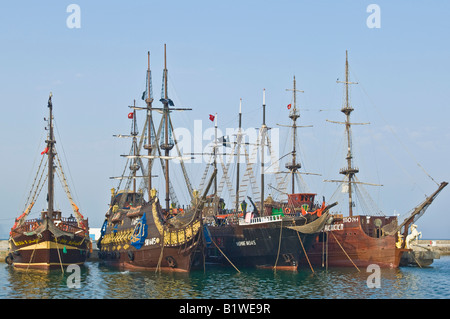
(96, 281)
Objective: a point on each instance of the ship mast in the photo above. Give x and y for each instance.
(215, 155)
(134, 167)
(349, 171)
(166, 146)
(294, 115)
(50, 154)
(149, 146)
(263, 135)
(239, 139)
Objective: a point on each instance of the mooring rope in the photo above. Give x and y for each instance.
(32, 254)
(304, 251)
(279, 245)
(224, 255)
(158, 266)
(344, 252)
(59, 255)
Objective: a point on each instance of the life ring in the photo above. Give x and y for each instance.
(130, 255)
(9, 259)
(287, 210)
(171, 262)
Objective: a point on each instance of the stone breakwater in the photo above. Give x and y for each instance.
(440, 246)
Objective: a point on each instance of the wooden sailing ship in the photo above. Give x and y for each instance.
(49, 241)
(145, 234)
(361, 240)
(273, 234)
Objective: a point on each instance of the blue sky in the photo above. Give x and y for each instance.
(219, 52)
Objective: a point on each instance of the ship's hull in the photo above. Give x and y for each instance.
(156, 258)
(45, 252)
(347, 244)
(161, 246)
(264, 245)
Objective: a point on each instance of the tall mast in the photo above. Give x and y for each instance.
(149, 146)
(239, 140)
(50, 154)
(166, 146)
(135, 166)
(215, 155)
(349, 171)
(263, 135)
(294, 115)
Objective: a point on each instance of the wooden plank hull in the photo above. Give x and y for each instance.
(347, 244)
(177, 249)
(165, 259)
(47, 252)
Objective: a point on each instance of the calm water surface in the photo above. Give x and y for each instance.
(100, 282)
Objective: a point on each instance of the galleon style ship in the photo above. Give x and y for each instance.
(50, 241)
(146, 234)
(273, 235)
(361, 240)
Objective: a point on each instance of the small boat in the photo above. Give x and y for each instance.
(50, 241)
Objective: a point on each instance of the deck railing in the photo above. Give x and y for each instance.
(260, 220)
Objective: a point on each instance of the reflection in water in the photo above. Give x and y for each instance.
(20, 283)
(102, 282)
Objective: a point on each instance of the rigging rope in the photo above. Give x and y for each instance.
(393, 133)
(65, 157)
(34, 182)
(63, 181)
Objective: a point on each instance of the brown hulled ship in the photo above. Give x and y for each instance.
(50, 241)
(142, 233)
(274, 234)
(361, 240)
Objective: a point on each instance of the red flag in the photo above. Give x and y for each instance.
(45, 151)
(130, 115)
(289, 106)
(211, 117)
